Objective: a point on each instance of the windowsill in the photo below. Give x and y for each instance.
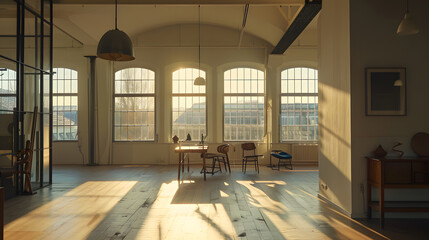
(298, 142)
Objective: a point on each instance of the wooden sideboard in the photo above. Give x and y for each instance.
(405, 172)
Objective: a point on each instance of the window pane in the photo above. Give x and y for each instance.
(65, 104)
(299, 103)
(189, 108)
(244, 105)
(7, 89)
(135, 111)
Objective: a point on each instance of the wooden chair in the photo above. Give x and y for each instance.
(253, 157)
(218, 158)
(223, 156)
(25, 157)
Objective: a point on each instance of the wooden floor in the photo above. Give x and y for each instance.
(144, 202)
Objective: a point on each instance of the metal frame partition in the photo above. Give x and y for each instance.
(33, 84)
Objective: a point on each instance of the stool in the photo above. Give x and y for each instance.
(273, 151)
(285, 159)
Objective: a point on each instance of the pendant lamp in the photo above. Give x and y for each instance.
(200, 81)
(115, 44)
(407, 26)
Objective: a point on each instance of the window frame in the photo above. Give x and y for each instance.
(8, 95)
(264, 95)
(114, 95)
(189, 95)
(54, 69)
(292, 95)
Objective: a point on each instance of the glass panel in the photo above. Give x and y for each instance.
(299, 113)
(31, 89)
(7, 89)
(34, 5)
(244, 112)
(65, 104)
(189, 116)
(8, 28)
(47, 9)
(134, 115)
(46, 160)
(32, 40)
(189, 112)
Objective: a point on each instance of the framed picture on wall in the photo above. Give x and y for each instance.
(386, 92)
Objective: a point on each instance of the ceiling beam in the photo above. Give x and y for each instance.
(186, 2)
(304, 17)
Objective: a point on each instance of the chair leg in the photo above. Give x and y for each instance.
(242, 165)
(213, 166)
(257, 164)
(224, 163)
(229, 166)
(218, 163)
(245, 166)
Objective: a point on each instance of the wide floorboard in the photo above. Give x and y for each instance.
(145, 202)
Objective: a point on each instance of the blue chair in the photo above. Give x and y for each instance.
(285, 159)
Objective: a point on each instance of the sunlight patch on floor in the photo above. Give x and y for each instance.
(78, 211)
(164, 220)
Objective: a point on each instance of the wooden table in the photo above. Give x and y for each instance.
(405, 172)
(190, 149)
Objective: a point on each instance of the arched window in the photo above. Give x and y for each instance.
(189, 104)
(244, 90)
(7, 90)
(64, 105)
(134, 96)
(299, 104)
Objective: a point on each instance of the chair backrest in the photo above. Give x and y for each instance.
(224, 148)
(248, 147)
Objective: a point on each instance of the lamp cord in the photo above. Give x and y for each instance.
(116, 14)
(406, 9)
(199, 42)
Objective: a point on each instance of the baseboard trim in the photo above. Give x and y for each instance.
(335, 206)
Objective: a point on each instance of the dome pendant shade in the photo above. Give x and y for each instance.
(407, 26)
(200, 81)
(115, 45)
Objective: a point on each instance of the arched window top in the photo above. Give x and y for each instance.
(7, 81)
(134, 81)
(183, 81)
(299, 80)
(65, 80)
(299, 105)
(244, 80)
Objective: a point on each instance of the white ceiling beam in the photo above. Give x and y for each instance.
(187, 2)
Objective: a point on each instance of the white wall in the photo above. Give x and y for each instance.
(334, 104)
(165, 50)
(374, 43)
(356, 34)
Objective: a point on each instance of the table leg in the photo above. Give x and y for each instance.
(180, 164)
(381, 205)
(184, 155)
(204, 165)
(368, 200)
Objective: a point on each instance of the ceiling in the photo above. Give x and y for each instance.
(88, 20)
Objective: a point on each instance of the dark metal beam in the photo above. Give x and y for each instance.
(305, 16)
(186, 2)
